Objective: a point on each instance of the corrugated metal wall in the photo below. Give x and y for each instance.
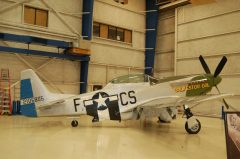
(164, 54)
(212, 30)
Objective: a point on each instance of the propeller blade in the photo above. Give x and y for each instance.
(220, 66)
(218, 90)
(204, 65)
(224, 101)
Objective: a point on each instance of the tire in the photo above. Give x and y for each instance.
(195, 129)
(74, 123)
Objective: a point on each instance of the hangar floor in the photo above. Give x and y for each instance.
(48, 138)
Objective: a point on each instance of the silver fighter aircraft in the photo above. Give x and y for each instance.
(125, 97)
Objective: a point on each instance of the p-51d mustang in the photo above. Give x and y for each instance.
(125, 97)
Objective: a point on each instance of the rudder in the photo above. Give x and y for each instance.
(32, 93)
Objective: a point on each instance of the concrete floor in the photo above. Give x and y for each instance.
(48, 138)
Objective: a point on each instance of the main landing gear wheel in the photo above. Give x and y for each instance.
(74, 123)
(194, 129)
(192, 125)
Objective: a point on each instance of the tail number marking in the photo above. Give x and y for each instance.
(32, 100)
(130, 95)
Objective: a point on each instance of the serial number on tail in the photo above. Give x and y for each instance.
(32, 100)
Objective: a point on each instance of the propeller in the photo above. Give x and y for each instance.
(204, 65)
(216, 79)
(220, 66)
(218, 69)
(224, 101)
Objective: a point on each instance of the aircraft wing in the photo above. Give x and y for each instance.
(211, 97)
(51, 104)
(167, 101)
(176, 101)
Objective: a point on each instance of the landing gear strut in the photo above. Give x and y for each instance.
(192, 125)
(74, 123)
(95, 119)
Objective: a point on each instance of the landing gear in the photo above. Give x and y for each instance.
(192, 125)
(74, 123)
(195, 128)
(162, 121)
(166, 115)
(95, 119)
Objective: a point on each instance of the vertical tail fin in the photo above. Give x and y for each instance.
(32, 93)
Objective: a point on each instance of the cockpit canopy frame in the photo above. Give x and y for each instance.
(135, 78)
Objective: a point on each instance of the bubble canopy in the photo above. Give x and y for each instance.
(134, 78)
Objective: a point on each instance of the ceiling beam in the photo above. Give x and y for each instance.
(174, 4)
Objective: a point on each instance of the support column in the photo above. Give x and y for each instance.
(87, 19)
(84, 76)
(87, 35)
(151, 35)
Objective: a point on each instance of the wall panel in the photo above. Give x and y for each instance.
(164, 59)
(211, 30)
(117, 55)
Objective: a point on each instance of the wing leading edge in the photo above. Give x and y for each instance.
(167, 101)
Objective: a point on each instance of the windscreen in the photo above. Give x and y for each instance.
(134, 78)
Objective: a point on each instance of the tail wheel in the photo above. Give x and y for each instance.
(74, 123)
(195, 129)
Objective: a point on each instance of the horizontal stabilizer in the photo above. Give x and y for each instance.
(52, 103)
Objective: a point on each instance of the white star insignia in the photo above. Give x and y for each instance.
(101, 101)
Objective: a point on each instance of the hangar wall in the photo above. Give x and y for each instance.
(197, 30)
(62, 25)
(112, 58)
(164, 59)
(109, 58)
(211, 30)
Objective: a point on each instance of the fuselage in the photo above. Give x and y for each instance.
(117, 100)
